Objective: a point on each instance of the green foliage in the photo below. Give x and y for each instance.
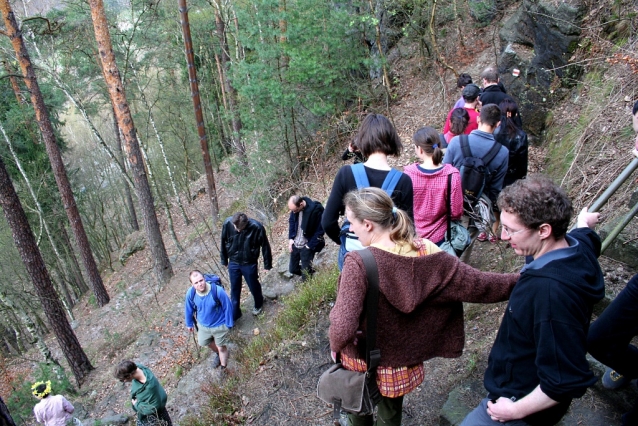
(21, 401)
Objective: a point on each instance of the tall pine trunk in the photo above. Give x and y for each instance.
(55, 157)
(34, 264)
(199, 116)
(161, 264)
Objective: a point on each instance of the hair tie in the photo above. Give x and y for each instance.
(394, 212)
(45, 392)
(435, 146)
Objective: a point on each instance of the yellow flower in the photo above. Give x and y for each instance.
(45, 392)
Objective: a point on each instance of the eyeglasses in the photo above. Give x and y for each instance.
(510, 233)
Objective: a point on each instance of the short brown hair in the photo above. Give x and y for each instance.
(426, 138)
(377, 134)
(538, 200)
(125, 370)
(490, 114)
(240, 220)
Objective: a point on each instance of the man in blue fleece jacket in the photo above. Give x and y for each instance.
(214, 314)
(537, 364)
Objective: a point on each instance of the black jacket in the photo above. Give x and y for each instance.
(518, 148)
(243, 247)
(542, 337)
(310, 225)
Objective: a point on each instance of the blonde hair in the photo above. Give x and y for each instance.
(375, 205)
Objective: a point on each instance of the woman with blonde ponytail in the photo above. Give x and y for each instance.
(420, 311)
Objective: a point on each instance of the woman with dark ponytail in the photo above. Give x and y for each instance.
(420, 309)
(429, 183)
(514, 139)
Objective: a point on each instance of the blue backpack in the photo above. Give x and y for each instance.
(361, 178)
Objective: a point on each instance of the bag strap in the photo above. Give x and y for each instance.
(448, 212)
(442, 140)
(493, 152)
(360, 177)
(373, 355)
(465, 145)
(391, 180)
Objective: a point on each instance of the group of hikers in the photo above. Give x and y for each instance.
(476, 165)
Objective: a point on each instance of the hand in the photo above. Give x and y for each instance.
(586, 219)
(333, 355)
(356, 337)
(503, 410)
(190, 329)
(134, 401)
(290, 243)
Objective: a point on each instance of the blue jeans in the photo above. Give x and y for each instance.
(610, 335)
(249, 272)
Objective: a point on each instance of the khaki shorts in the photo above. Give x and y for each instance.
(218, 334)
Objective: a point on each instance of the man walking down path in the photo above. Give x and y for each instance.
(214, 314)
(538, 362)
(242, 239)
(148, 397)
(305, 234)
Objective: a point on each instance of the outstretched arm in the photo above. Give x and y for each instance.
(504, 409)
(587, 219)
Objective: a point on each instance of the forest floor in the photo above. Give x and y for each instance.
(144, 322)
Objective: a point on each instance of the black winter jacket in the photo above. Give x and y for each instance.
(542, 337)
(243, 247)
(518, 148)
(310, 225)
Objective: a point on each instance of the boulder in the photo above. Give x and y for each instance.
(538, 40)
(133, 243)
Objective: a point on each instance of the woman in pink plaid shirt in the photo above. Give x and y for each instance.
(429, 182)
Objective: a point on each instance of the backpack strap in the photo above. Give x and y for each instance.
(465, 146)
(360, 177)
(448, 212)
(493, 152)
(391, 181)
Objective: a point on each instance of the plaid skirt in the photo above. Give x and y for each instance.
(393, 382)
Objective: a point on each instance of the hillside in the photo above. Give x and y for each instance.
(144, 321)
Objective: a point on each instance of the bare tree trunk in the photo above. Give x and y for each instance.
(59, 171)
(220, 25)
(160, 142)
(167, 210)
(14, 82)
(78, 279)
(5, 416)
(199, 116)
(34, 264)
(127, 189)
(161, 264)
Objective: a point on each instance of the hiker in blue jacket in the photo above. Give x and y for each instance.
(214, 312)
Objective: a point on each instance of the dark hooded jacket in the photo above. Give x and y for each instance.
(420, 314)
(542, 339)
(310, 225)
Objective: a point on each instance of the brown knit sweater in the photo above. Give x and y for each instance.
(420, 314)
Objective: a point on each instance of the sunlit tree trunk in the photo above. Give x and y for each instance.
(161, 264)
(55, 157)
(127, 189)
(199, 116)
(34, 264)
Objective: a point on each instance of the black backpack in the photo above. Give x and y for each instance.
(474, 172)
(214, 281)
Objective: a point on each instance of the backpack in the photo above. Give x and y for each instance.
(474, 172)
(348, 239)
(214, 281)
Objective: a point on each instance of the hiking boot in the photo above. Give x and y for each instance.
(257, 311)
(614, 380)
(216, 362)
(482, 236)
